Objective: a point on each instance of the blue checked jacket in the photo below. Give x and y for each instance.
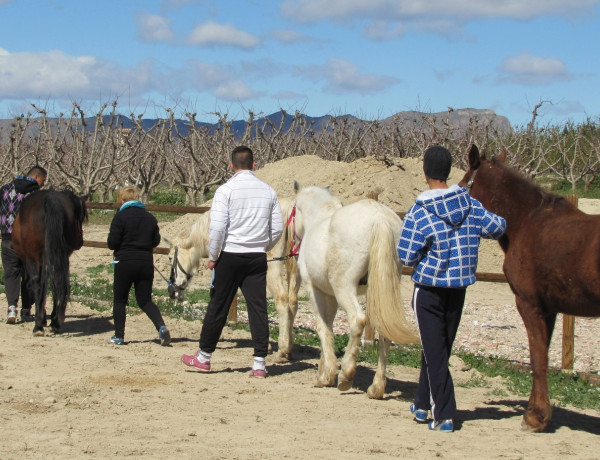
(440, 237)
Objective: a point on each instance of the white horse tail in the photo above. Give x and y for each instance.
(385, 311)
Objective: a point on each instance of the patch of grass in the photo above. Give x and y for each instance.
(100, 216)
(96, 292)
(565, 388)
(564, 188)
(165, 196)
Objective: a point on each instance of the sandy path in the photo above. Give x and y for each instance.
(75, 396)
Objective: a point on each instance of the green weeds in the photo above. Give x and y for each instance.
(95, 290)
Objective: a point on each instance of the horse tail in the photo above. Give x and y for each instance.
(385, 310)
(56, 253)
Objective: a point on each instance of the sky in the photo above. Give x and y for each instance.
(367, 58)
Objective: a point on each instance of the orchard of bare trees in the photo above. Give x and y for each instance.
(93, 154)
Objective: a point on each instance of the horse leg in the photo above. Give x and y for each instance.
(356, 319)
(279, 293)
(39, 290)
(325, 307)
(539, 332)
(293, 286)
(54, 323)
(377, 388)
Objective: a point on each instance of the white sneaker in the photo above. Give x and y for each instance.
(11, 317)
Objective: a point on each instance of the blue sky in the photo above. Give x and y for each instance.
(368, 58)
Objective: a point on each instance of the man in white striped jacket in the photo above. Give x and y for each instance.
(245, 223)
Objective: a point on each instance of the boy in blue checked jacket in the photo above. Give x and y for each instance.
(440, 239)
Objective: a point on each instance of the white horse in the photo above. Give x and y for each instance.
(283, 281)
(342, 249)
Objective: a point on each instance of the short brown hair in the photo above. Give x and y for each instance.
(128, 193)
(242, 157)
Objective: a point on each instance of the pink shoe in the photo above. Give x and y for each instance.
(194, 362)
(258, 373)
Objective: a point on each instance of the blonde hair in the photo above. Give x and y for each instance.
(129, 193)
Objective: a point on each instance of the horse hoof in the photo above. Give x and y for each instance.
(375, 392)
(344, 385)
(281, 358)
(38, 333)
(532, 424)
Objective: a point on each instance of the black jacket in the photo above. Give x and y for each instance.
(133, 233)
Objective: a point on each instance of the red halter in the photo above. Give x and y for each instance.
(295, 248)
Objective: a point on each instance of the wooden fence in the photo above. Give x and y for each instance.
(568, 333)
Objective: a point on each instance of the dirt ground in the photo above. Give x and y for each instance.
(73, 395)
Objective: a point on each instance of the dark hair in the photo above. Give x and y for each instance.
(37, 171)
(437, 162)
(242, 157)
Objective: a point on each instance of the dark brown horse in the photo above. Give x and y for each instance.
(552, 261)
(47, 229)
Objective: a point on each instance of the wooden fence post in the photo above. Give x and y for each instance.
(568, 336)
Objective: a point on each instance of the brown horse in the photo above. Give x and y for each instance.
(47, 229)
(552, 261)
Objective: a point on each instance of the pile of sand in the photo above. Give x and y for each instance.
(397, 186)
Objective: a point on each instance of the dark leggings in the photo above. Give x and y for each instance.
(249, 273)
(140, 273)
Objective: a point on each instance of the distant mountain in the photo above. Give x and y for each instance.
(459, 118)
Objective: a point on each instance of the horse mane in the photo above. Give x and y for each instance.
(197, 234)
(527, 186)
(80, 211)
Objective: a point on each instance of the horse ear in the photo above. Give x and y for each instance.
(474, 158)
(297, 186)
(502, 157)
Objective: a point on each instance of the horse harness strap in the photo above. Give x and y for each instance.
(471, 180)
(177, 264)
(295, 248)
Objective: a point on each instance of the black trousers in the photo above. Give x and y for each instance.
(15, 277)
(140, 274)
(438, 312)
(249, 273)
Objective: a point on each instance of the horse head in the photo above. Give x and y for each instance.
(182, 270)
(483, 176)
(312, 203)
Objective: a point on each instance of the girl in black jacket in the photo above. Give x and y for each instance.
(133, 234)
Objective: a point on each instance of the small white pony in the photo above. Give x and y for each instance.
(283, 281)
(342, 247)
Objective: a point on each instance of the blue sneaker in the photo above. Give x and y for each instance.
(445, 426)
(420, 414)
(114, 340)
(164, 335)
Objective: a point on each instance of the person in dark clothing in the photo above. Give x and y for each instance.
(15, 275)
(132, 236)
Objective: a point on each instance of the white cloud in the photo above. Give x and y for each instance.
(234, 91)
(57, 75)
(211, 34)
(153, 28)
(526, 69)
(218, 79)
(341, 76)
(342, 10)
